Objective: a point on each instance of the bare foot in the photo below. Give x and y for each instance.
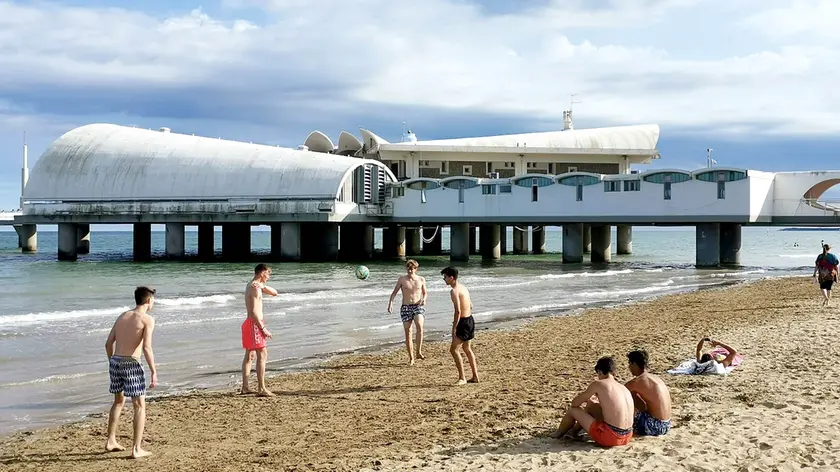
(420, 355)
(245, 391)
(411, 361)
(473, 380)
(461, 382)
(265, 393)
(113, 447)
(138, 453)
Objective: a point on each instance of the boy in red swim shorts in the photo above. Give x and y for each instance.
(254, 332)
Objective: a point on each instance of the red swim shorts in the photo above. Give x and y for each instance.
(607, 436)
(252, 336)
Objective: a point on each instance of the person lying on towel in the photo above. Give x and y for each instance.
(721, 353)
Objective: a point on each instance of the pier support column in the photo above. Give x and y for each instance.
(285, 242)
(236, 241)
(573, 243)
(459, 245)
(83, 238)
(503, 238)
(67, 242)
(175, 240)
(490, 242)
(206, 241)
(587, 238)
(601, 243)
(624, 238)
(393, 242)
(520, 240)
(142, 241)
(27, 238)
(434, 246)
(356, 242)
(412, 241)
(707, 245)
(474, 243)
(538, 239)
(319, 242)
(730, 243)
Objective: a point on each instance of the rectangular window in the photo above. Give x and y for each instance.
(721, 190)
(461, 195)
(535, 193)
(572, 169)
(667, 187)
(397, 192)
(505, 188)
(579, 193)
(467, 170)
(488, 189)
(632, 185)
(444, 167)
(551, 168)
(612, 185)
(423, 196)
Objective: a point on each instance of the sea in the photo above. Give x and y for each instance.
(55, 316)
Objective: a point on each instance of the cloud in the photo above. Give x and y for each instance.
(319, 63)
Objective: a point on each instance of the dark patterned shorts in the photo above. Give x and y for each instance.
(127, 376)
(408, 312)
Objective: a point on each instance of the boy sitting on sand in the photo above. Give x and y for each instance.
(651, 397)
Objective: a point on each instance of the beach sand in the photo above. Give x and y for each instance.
(778, 411)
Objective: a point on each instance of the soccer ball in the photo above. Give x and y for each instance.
(362, 272)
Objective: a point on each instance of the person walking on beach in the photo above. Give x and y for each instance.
(413, 308)
(131, 333)
(651, 397)
(825, 271)
(463, 326)
(609, 420)
(254, 332)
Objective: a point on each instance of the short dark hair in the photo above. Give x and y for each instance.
(142, 295)
(605, 365)
(638, 357)
(450, 272)
(260, 268)
(705, 358)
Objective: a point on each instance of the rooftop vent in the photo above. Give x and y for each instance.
(165, 130)
(303, 147)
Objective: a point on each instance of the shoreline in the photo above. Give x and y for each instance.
(359, 409)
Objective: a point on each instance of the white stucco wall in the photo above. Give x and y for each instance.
(762, 193)
(790, 189)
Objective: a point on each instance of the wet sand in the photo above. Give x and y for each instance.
(777, 411)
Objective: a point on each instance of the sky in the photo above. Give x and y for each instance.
(754, 80)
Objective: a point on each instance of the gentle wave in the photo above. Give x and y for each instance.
(192, 301)
(635, 291)
(570, 275)
(36, 318)
(51, 379)
(738, 274)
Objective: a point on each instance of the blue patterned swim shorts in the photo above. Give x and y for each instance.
(408, 312)
(644, 424)
(127, 376)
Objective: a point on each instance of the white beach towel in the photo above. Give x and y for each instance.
(692, 367)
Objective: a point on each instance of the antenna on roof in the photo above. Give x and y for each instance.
(24, 171)
(567, 115)
(709, 161)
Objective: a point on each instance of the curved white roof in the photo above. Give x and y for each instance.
(347, 143)
(101, 162)
(640, 137)
(319, 142)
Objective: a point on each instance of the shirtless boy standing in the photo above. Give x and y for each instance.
(254, 332)
(650, 396)
(131, 332)
(463, 326)
(609, 420)
(413, 308)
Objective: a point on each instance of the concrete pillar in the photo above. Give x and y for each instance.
(587, 238)
(707, 245)
(236, 241)
(459, 245)
(67, 242)
(393, 242)
(730, 243)
(573, 243)
(433, 247)
(142, 241)
(175, 240)
(356, 242)
(503, 238)
(473, 240)
(206, 240)
(520, 240)
(286, 242)
(412, 241)
(27, 237)
(624, 238)
(490, 243)
(601, 243)
(538, 239)
(83, 238)
(318, 242)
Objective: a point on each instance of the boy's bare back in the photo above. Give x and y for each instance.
(129, 331)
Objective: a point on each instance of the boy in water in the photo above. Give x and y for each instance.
(463, 326)
(254, 332)
(131, 332)
(413, 308)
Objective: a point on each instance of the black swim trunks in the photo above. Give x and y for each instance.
(465, 330)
